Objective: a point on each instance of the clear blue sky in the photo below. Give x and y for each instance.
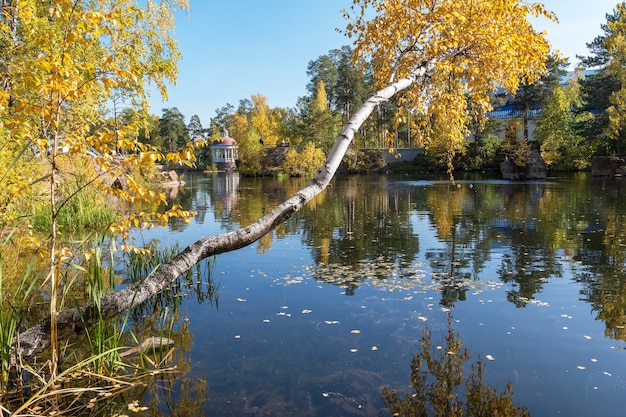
(237, 48)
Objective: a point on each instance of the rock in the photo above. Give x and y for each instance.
(534, 169)
(169, 176)
(607, 166)
(170, 179)
(149, 345)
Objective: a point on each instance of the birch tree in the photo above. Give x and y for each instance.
(66, 67)
(444, 56)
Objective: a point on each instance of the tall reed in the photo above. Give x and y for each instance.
(10, 317)
(82, 208)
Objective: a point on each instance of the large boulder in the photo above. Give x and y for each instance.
(534, 169)
(607, 166)
(170, 179)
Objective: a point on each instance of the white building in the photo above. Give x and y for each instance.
(225, 152)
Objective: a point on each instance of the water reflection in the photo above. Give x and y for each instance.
(522, 234)
(601, 255)
(387, 255)
(439, 388)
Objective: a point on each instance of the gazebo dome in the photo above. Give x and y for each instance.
(225, 140)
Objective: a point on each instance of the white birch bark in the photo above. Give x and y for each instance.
(34, 340)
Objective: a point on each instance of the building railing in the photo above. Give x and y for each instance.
(512, 114)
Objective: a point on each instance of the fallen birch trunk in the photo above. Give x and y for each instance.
(36, 339)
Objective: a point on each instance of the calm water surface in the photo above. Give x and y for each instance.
(316, 318)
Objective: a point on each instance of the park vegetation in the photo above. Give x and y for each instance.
(79, 146)
(578, 118)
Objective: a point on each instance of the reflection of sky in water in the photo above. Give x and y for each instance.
(285, 343)
(280, 337)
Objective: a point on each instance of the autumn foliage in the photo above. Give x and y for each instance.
(474, 46)
(68, 70)
(74, 84)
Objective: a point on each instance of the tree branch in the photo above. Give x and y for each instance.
(36, 339)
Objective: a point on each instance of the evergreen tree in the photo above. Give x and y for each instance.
(602, 90)
(196, 131)
(172, 129)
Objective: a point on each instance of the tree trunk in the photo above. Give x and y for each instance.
(37, 338)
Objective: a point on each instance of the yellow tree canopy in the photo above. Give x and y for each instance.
(474, 46)
(68, 71)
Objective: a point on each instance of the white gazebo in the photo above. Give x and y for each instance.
(224, 152)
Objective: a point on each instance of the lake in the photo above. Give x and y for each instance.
(318, 317)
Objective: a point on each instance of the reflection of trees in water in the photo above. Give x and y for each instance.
(173, 393)
(439, 388)
(364, 224)
(458, 264)
(382, 273)
(364, 229)
(483, 219)
(372, 222)
(601, 255)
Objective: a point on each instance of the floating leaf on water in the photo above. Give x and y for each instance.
(490, 358)
(306, 311)
(582, 368)
(355, 331)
